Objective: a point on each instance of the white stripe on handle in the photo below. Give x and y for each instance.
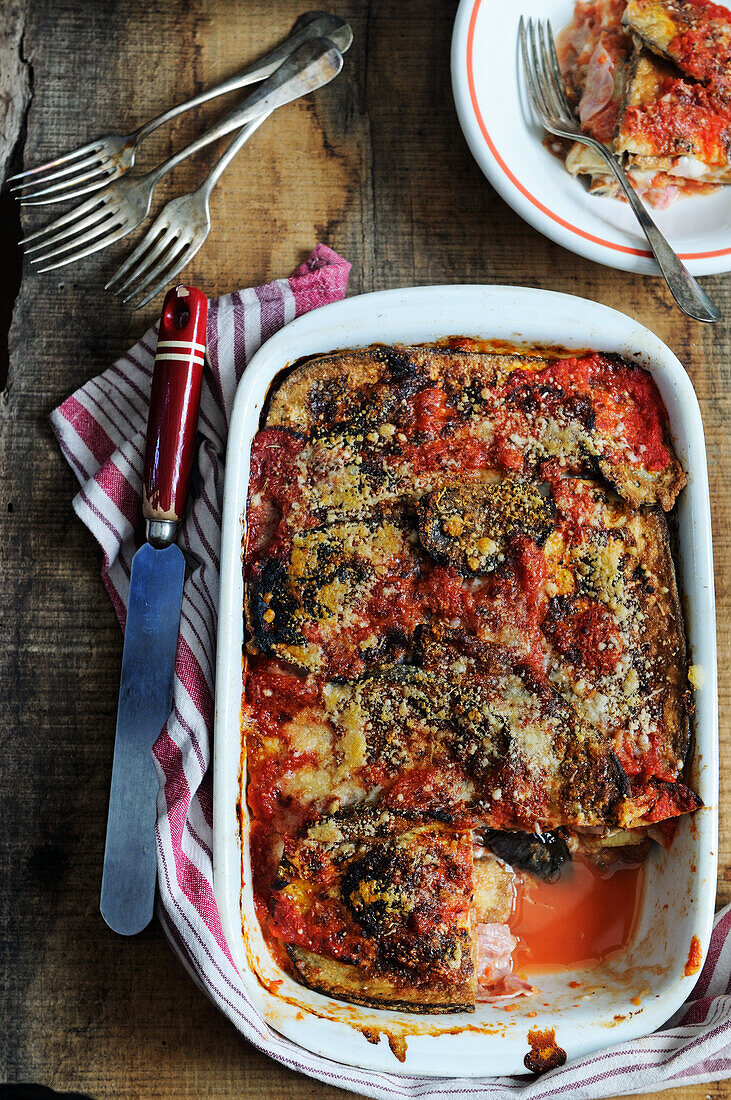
(181, 344)
(180, 356)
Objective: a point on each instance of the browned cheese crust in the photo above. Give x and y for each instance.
(333, 387)
(365, 393)
(623, 563)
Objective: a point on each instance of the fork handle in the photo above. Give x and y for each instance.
(311, 24)
(686, 291)
(174, 401)
(228, 155)
(313, 64)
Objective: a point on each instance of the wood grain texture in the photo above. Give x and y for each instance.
(14, 79)
(376, 166)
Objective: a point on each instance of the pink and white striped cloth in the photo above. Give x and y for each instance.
(101, 431)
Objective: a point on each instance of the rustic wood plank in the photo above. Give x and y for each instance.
(376, 166)
(14, 79)
(15, 93)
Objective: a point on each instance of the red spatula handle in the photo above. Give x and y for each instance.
(174, 402)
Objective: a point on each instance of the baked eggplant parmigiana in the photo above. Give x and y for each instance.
(466, 659)
(651, 79)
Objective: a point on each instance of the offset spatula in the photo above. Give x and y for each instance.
(153, 614)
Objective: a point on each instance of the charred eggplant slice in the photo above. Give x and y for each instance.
(378, 889)
(540, 854)
(272, 608)
(470, 528)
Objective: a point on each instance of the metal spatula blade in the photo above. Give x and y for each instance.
(145, 700)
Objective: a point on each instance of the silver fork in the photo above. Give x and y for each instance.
(124, 204)
(177, 233)
(99, 162)
(548, 99)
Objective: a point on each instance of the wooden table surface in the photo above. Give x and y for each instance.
(374, 165)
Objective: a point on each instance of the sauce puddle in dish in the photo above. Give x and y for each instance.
(581, 920)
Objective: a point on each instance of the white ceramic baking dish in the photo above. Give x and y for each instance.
(634, 994)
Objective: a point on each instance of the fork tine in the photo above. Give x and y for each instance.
(179, 264)
(100, 226)
(523, 38)
(537, 73)
(77, 212)
(90, 148)
(555, 66)
(533, 95)
(162, 265)
(59, 192)
(547, 73)
(71, 170)
(147, 254)
(136, 254)
(115, 235)
(97, 215)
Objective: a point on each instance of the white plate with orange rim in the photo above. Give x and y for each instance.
(626, 996)
(507, 143)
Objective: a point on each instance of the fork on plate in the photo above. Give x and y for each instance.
(548, 99)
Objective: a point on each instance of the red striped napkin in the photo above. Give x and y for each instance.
(101, 431)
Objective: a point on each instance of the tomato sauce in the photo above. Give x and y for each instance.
(447, 596)
(425, 790)
(273, 482)
(703, 51)
(654, 759)
(431, 411)
(589, 637)
(325, 931)
(437, 454)
(622, 397)
(661, 800)
(583, 919)
(685, 116)
(695, 958)
(276, 696)
(395, 603)
(574, 505)
(265, 794)
(531, 568)
(507, 456)
(643, 419)
(710, 10)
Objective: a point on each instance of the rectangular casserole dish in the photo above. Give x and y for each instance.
(632, 995)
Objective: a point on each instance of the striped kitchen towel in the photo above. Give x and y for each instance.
(101, 430)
